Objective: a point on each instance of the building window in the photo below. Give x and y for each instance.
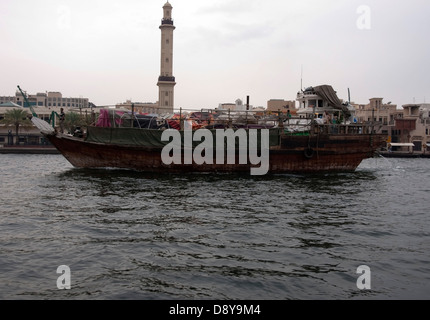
(167, 41)
(167, 94)
(167, 103)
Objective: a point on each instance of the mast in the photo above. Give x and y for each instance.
(301, 80)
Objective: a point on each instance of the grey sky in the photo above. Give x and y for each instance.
(109, 51)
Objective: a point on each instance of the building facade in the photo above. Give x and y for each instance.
(47, 100)
(378, 111)
(45, 105)
(411, 131)
(139, 107)
(408, 129)
(276, 105)
(237, 106)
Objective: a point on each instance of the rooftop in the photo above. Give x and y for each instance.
(10, 105)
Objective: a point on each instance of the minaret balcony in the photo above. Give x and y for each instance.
(166, 79)
(167, 21)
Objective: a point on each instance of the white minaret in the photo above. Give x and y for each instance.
(166, 81)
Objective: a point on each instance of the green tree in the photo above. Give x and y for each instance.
(17, 118)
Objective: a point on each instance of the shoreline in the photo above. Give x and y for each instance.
(404, 155)
(28, 150)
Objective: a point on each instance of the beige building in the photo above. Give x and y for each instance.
(237, 106)
(140, 107)
(411, 132)
(408, 128)
(27, 135)
(55, 99)
(31, 135)
(276, 105)
(378, 111)
(47, 100)
(44, 104)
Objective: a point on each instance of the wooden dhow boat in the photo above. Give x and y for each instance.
(323, 138)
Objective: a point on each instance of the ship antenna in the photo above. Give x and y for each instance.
(301, 80)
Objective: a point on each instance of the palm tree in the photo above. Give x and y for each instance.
(17, 118)
(73, 120)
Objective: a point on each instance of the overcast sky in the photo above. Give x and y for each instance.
(109, 51)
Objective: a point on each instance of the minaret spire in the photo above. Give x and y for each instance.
(166, 81)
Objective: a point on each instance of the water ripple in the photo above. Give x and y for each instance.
(131, 235)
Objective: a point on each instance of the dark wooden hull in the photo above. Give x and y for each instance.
(322, 153)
